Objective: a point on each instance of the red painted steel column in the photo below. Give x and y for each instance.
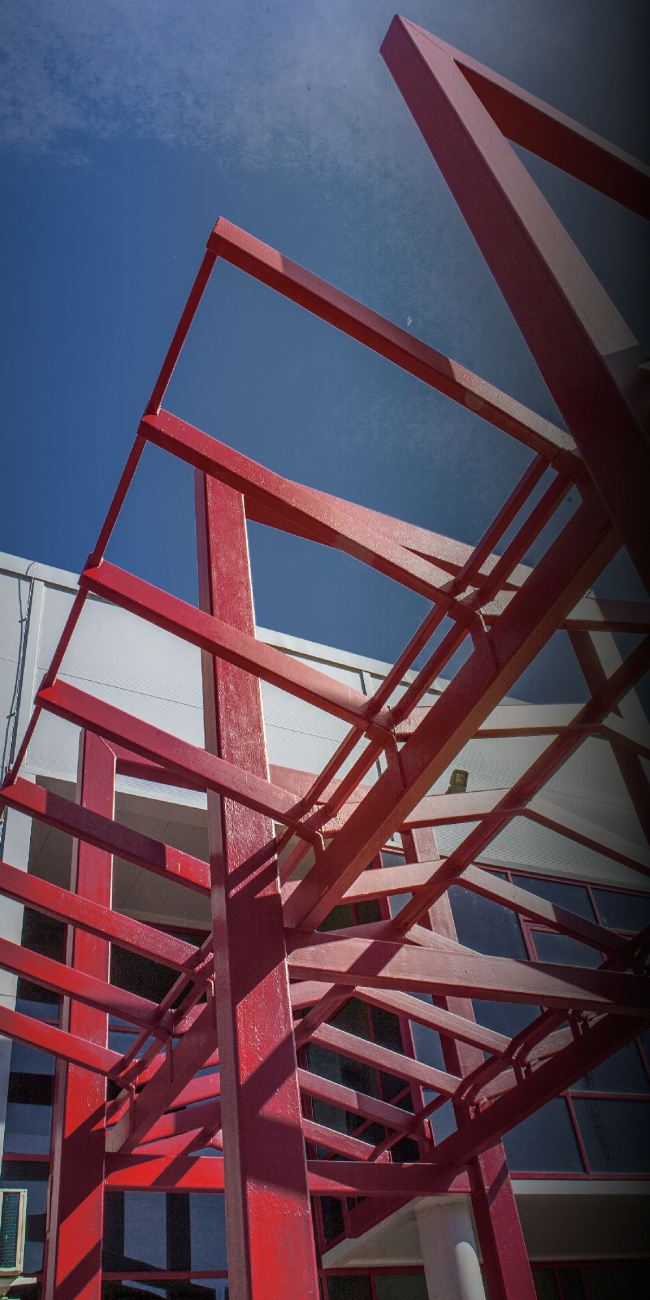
(72, 1266)
(269, 1229)
(502, 1242)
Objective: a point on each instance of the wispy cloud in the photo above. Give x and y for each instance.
(293, 80)
(290, 78)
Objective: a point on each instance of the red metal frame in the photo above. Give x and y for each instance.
(265, 961)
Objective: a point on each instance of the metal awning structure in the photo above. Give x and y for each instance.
(237, 1002)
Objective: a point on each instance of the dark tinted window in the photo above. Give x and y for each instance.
(486, 926)
(332, 1217)
(35, 1089)
(563, 949)
(623, 911)
(616, 1134)
(545, 1284)
(506, 1017)
(43, 934)
(349, 1288)
(545, 1141)
(623, 1072)
(353, 1017)
(208, 1230)
(401, 1286)
(574, 897)
(339, 918)
(571, 1283)
(386, 1029)
(139, 975)
(618, 1282)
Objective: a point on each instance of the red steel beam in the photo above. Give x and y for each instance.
(535, 908)
(540, 771)
(402, 1004)
(72, 1265)
(405, 1067)
(359, 1103)
(570, 564)
(552, 135)
(228, 643)
(96, 919)
(174, 1073)
(269, 1227)
(331, 1140)
(268, 1217)
(207, 1113)
(586, 353)
(594, 1044)
(505, 1257)
(435, 1017)
(376, 963)
(326, 1177)
(83, 987)
(121, 841)
(58, 1042)
(310, 513)
(397, 345)
(113, 724)
(592, 836)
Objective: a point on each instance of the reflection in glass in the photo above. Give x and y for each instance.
(486, 926)
(561, 948)
(623, 1072)
(623, 911)
(574, 897)
(616, 1134)
(545, 1141)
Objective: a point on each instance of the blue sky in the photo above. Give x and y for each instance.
(128, 128)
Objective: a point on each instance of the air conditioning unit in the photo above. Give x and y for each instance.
(13, 1222)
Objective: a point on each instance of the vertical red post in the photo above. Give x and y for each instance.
(497, 1220)
(73, 1252)
(269, 1229)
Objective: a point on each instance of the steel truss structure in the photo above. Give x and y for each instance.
(238, 1001)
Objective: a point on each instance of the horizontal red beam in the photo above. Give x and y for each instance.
(360, 1049)
(352, 1178)
(226, 642)
(57, 1042)
(552, 135)
(207, 1113)
(359, 1103)
(393, 343)
(305, 511)
(105, 720)
(129, 764)
(445, 1022)
(173, 1075)
(128, 1173)
(326, 1177)
(106, 834)
(374, 962)
(205, 1087)
(558, 918)
(181, 1145)
(84, 988)
(332, 1140)
(95, 919)
(448, 809)
(589, 834)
